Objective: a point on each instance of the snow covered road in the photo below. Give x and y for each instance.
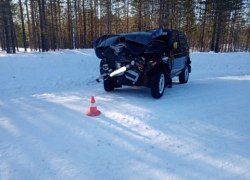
(200, 130)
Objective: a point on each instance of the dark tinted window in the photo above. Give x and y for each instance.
(182, 39)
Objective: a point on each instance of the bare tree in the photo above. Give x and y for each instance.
(23, 27)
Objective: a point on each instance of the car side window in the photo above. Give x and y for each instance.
(176, 43)
(176, 37)
(183, 40)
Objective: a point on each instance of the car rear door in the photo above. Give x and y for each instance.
(179, 52)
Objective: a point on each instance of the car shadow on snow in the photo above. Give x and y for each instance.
(140, 92)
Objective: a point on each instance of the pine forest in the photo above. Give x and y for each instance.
(44, 25)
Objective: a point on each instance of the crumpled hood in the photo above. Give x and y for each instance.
(134, 40)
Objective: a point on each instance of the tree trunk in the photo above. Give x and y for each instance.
(247, 46)
(84, 24)
(70, 28)
(8, 26)
(139, 12)
(219, 9)
(109, 18)
(33, 25)
(202, 44)
(29, 26)
(23, 27)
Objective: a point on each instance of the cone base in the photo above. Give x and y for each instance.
(93, 113)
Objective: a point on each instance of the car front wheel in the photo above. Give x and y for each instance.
(108, 84)
(157, 84)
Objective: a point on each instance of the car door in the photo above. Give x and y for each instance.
(179, 52)
(184, 50)
(176, 53)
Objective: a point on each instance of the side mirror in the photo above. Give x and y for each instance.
(175, 45)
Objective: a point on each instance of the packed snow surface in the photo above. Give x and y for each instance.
(199, 130)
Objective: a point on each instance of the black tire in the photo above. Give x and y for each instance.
(183, 77)
(158, 81)
(108, 85)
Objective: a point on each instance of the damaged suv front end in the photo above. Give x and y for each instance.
(136, 59)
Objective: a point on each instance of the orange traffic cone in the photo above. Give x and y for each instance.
(93, 111)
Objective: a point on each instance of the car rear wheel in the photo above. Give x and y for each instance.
(158, 84)
(183, 77)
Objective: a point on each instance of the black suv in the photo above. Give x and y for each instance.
(150, 58)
